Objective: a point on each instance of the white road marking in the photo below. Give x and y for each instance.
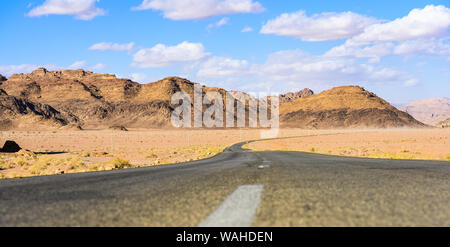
(238, 210)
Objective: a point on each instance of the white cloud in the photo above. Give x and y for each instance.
(82, 9)
(200, 9)
(220, 23)
(373, 51)
(139, 77)
(162, 55)
(300, 67)
(295, 68)
(247, 29)
(429, 22)
(104, 46)
(8, 70)
(85, 65)
(438, 47)
(319, 27)
(425, 47)
(78, 65)
(222, 66)
(422, 31)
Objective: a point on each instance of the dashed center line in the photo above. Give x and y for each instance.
(238, 210)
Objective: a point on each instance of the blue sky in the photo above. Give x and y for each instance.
(397, 49)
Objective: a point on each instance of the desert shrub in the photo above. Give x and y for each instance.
(119, 163)
(86, 154)
(21, 162)
(40, 167)
(26, 154)
(75, 164)
(206, 151)
(152, 155)
(95, 167)
(5, 165)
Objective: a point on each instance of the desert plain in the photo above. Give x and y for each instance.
(63, 152)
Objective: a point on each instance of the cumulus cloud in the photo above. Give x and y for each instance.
(429, 22)
(440, 47)
(295, 68)
(222, 66)
(319, 27)
(298, 66)
(425, 47)
(104, 46)
(162, 55)
(200, 9)
(81, 9)
(422, 31)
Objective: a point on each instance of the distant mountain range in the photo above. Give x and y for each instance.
(429, 111)
(79, 99)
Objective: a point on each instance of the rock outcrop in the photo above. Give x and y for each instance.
(288, 97)
(20, 113)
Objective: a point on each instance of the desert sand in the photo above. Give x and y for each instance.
(414, 144)
(58, 152)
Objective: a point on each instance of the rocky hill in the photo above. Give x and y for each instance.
(19, 113)
(99, 101)
(429, 111)
(344, 107)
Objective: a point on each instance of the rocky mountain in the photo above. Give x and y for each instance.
(288, 97)
(344, 107)
(429, 111)
(99, 101)
(102, 100)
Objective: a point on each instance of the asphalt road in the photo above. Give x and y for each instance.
(238, 188)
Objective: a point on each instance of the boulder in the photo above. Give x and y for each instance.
(10, 147)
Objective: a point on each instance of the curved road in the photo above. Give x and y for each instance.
(238, 188)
